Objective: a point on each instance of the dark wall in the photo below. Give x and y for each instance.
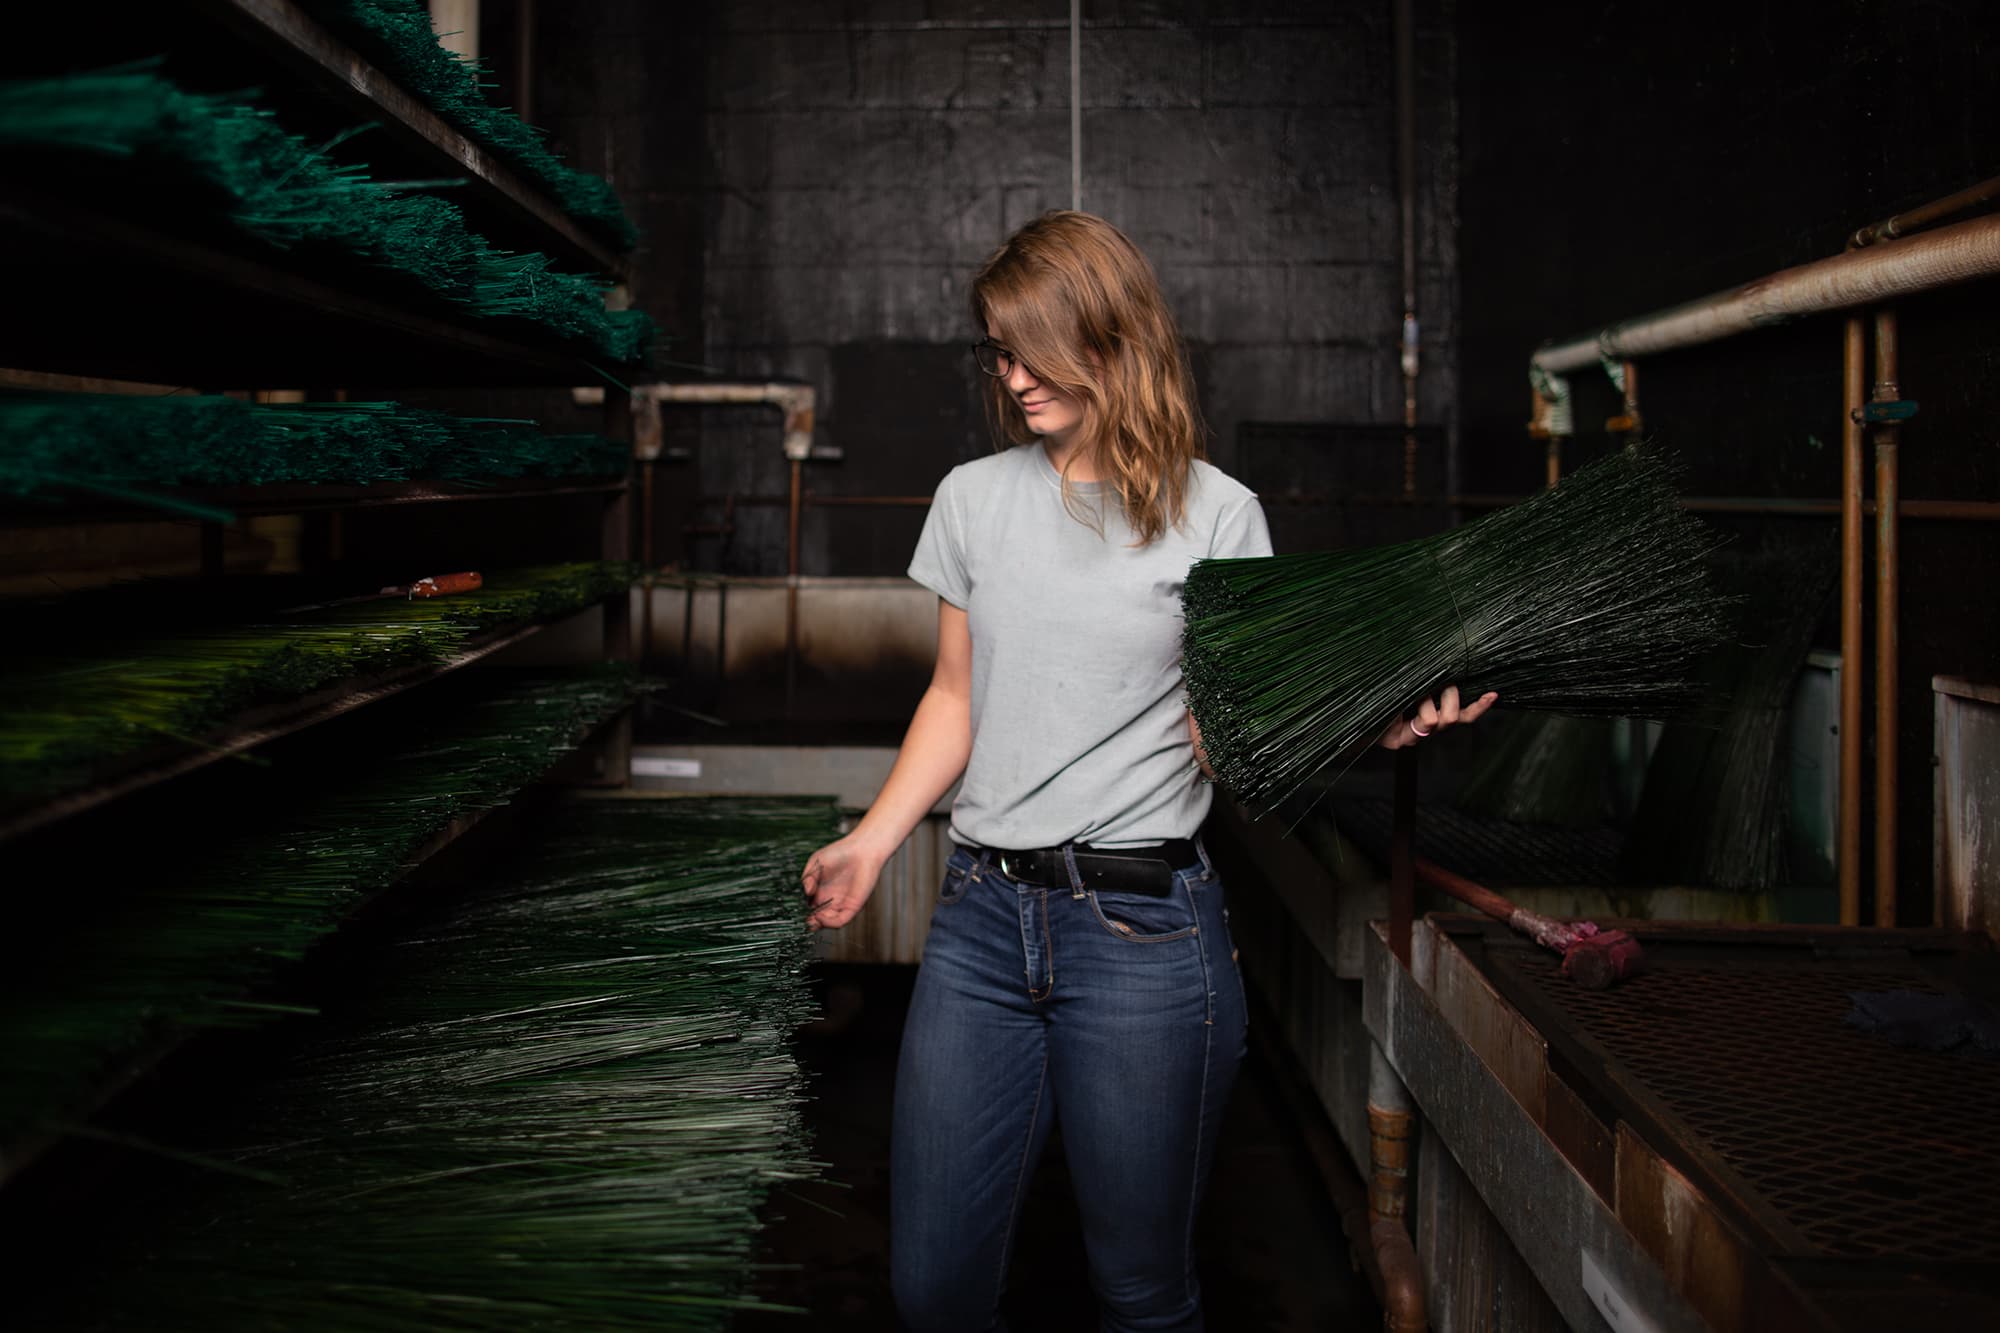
(818, 182)
(1642, 155)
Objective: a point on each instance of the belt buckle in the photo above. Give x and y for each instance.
(1007, 866)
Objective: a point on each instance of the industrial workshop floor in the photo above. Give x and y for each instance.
(1271, 1252)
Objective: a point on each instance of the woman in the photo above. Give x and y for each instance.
(1079, 960)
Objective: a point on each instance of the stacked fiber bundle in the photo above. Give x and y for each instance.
(113, 444)
(1714, 811)
(290, 194)
(79, 696)
(558, 1105)
(397, 36)
(1590, 598)
(189, 941)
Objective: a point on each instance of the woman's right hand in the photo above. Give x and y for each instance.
(838, 879)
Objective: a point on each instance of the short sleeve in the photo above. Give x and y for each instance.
(1240, 531)
(939, 563)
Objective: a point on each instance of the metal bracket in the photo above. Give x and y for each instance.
(1889, 410)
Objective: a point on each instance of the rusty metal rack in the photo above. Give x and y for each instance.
(1736, 1137)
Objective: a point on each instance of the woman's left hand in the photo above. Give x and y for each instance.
(1433, 716)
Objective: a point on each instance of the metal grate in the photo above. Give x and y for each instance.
(1860, 1148)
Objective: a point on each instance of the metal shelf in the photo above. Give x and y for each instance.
(503, 203)
(18, 1155)
(300, 498)
(256, 727)
(236, 314)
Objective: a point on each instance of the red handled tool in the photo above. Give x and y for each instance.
(440, 585)
(1593, 958)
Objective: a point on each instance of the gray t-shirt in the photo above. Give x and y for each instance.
(1079, 717)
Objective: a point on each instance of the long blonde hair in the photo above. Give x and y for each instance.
(1074, 299)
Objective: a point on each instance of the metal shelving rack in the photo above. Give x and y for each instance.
(266, 320)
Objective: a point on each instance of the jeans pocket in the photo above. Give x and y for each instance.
(1145, 918)
(957, 876)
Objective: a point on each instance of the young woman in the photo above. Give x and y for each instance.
(1079, 961)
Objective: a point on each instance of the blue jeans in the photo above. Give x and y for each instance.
(1122, 1013)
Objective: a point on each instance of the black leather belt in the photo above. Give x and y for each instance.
(1148, 869)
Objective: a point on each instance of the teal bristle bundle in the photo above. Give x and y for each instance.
(1590, 598)
(559, 1103)
(112, 443)
(291, 194)
(397, 36)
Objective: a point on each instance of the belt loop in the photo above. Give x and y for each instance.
(1201, 850)
(1069, 864)
(985, 859)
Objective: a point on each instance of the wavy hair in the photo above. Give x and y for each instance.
(1074, 299)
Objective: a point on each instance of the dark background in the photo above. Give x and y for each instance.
(816, 183)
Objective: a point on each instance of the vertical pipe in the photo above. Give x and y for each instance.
(646, 563)
(1391, 1126)
(1076, 103)
(1887, 390)
(524, 60)
(1554, 460)
(792, 585)
(1853, 371)
(1406, 181)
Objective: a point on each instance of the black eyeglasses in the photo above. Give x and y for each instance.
(994, 359)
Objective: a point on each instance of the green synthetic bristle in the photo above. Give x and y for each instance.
(81, 691)
(206, 927)
(1541, 768)
(397, 36)
(1590, 598)
(60, 444)
(292, 194)
(559, 1103)
(1713, 811)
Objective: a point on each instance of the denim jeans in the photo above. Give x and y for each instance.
(1121, 1013)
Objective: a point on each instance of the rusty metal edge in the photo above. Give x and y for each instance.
(1547, 1209)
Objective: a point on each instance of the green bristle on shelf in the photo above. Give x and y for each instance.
(558, 1102)
(85, 688)
(57, 444)
(204, 927)
(291, 194)
(397, 35)
(1591, 598)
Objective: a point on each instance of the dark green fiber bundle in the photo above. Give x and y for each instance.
(1714, 808)
(1590, 598)
(52, 444)
(292, 194)
(397, 36)
(190, 942)
(78, 690)
(1542, 768)
(558, 1106)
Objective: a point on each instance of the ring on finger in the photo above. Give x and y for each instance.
(1417, 731)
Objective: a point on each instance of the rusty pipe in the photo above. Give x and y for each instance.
(1391, 1131)
(1922, 216)
(1852, 489)
(792, 584)
(1887, 561)
(1854, 278)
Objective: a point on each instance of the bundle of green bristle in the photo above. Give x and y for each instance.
(397, 36)
(292, 194)
(78, 697)
(1590, 598)
(117, 444)
(186, 946)
(1714, 808)
(558, 1105)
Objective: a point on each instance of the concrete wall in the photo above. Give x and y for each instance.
(818, 182)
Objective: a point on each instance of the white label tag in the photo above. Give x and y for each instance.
(649, 766)
(1613, 1304)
